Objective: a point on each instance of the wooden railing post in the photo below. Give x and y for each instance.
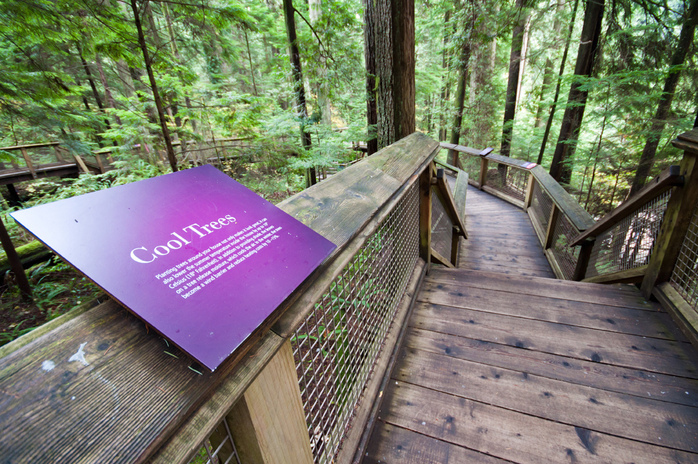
(28, 160)
(528, 198)
(484, 165)
(268, 423)
(425, 215)
(677, 217)
(580, 269)
(550, 233)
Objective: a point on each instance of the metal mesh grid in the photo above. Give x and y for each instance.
(219, 448)
(508, 180)
(338, 342)
(541, 206)
(471, 164)
(629, 244)
(685, 275)
(565, 255)
(441, 228)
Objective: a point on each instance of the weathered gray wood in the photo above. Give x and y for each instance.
(669, 388)
(400, 445)
(627, 416)
(630, 351)
(508, 198)
(558, 310)
(624, 296)
(510, 435)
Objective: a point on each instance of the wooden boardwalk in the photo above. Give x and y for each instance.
(501, 363)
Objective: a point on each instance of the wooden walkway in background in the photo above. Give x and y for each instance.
(500, 365)
(501, 238)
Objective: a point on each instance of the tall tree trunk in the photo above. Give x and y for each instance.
(463, 67)
(322, 85)
(93, 86)
(370, 9)
(561, 168)
(393, 30)
(548, 69)
(154, 87)
(514, 68)
(301, 108)
(481, 100)
(664, 106)
(178, 57)
(563, 61)
(249, 59)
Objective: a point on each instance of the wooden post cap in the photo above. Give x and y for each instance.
(688, 141)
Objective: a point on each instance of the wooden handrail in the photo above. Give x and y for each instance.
(31, 145)
(568, 206)
(669, 178)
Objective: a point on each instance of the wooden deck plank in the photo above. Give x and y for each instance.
(508, 270)
(679, 390)
(650, 354)
(561, 311)
(398, 445)
(623, 295)
(637, 418)
(510, 435)
(528, 262)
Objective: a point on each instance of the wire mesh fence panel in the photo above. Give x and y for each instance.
(684, 278)
(471, 165)
(541, 206)
(565, 255)
(441, 228)
(508, 180)
(337, 344)
(629, 244)
(218, 448)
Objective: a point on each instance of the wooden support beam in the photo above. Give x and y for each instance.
(580, 269)
(425, 216)
(440, 259)
(81, 163)
(28, 160)
(15, 262)
(268, 423)
(528, 198)
(552, 221)
(483, 172)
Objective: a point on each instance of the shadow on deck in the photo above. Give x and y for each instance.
(500, 362)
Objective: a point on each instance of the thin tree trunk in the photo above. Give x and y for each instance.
(446, 83)
(664, 106)
(514, 69)
(154, 87)
(249, 59)
(107, 90)
(548, 69)
(551, 115)
(460, 99)
(301, 109)
(371, 90)
(561, 168)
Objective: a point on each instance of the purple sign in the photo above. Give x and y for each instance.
(195, 254)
